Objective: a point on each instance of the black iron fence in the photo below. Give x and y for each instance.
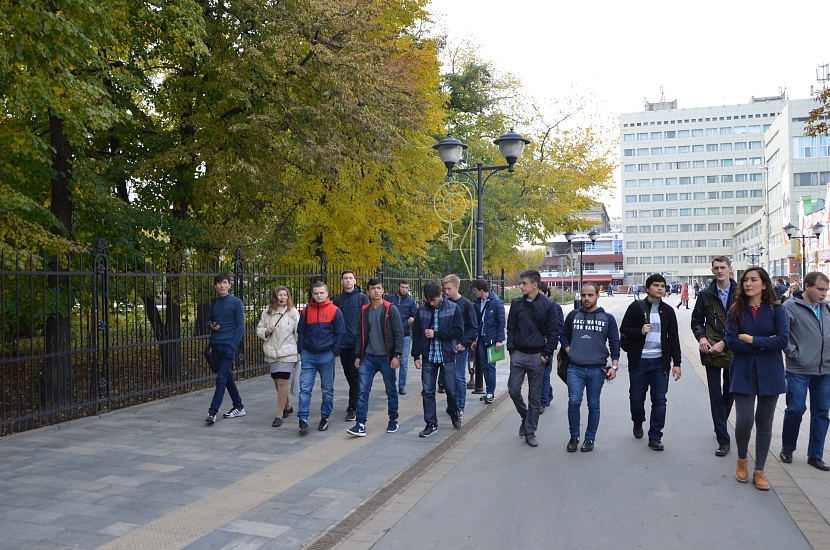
(87, 333)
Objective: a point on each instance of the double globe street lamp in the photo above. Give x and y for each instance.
(581, 244)
(753, 256)
(790, 230)
(511, 145)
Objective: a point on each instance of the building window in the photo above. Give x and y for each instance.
(686, 259)
(699, 243)
(700, 259)
(712, 163)
(630, 213)
(642, 136)
(755, 145)
(618, 266)
(804, 147)
(740, 162)
(727, 194)
(697, 132)
(671, 181)
(742, 210)
(671, 229)
(755, 129)
(699, 180)
(656, 213)
(671, 196)
(685, 227)
(670, 150)
(669, 134)
(697, 148)
(755, 161)
(713, 242)
(756, 193)
(685, 196)
(740, 145)
(645, 198)
(630, 168)
(683, 149)
(671, 212)
(742, 194)
(697, 164)
(700, 211)
(645, 229)
(756, 177)
(806, 179)
(657, 135)
(711, 131)
(711, 147)
(725, 162)
(657, 198)
(727, 210)
(685, 211)
(588, 265)
(631, 183)
(628, 152)
(728, 226)
(657, 182)
(656, 150)
(628, 137)
(642, 152)
(631, 198)
(725, 146)
(711, 179)
(685, 181)
(713, 227)
(739, 130)
(683, 133)
(642, 167)
(726, 131)
(741, 178)
(713, 211)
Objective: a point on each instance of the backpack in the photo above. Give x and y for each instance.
(625, 342)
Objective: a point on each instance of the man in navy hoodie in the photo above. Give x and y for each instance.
(226, 321)
(406, 307)
(350, 302)
(584, 338)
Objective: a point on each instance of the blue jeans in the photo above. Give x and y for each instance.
(314, 362)
(369, 367)
(547, 388)
(487, 369)
(224, 378)
(407, 347)
(590, 380)
(461, 379)
(797, 386)
(429, 377)
(651, 377)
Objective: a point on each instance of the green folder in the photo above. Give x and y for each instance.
(493, 355)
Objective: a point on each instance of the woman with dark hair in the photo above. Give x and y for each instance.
(756, 332)
(277, 329)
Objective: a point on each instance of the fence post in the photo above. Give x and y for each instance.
(100, 324)
(238, 291)
(381, 272)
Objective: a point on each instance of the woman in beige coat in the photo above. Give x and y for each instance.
(278, 331)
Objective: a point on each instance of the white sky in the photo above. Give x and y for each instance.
(702, 53)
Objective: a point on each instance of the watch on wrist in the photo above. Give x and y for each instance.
(615, 368)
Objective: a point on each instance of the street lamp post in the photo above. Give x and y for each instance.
(790, 229)
(753, 256)
(450, 150)
(581, 244)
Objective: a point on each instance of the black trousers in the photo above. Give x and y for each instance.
(347, 356)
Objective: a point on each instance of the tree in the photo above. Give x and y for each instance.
(817, 122)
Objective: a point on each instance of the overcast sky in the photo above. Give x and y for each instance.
(702, 53)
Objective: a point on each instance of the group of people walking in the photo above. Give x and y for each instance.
(741, 329)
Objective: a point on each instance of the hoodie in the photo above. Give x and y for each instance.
(586, 333)
(350, 304)
(321, 328)
(808, 352)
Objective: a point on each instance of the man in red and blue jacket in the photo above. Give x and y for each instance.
(320, 336)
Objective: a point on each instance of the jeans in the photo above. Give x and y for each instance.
(347, 357)
(407, 347)
(314, 362)
(529, 364)
(649, 377)
(224, 378)
(547, 388)
(429, 377)
(461, 378)
(720, 401)
(591, 380)
(488, 369)
(369, 367)
(797, 386)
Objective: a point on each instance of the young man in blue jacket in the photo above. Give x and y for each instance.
(379, 345)
(320, 336)
(406, 307)
(435, 333)
(350, 301)
(226, 322)
(491, 330)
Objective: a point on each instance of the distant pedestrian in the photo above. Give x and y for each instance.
(651, 328)
(532, 337)
(709, 327)
(406, 307)
(277, 329)
(491, 332)
(589, 336)
(780, 287)
(436, 331)
(610, 289)
(684, 295)
(451, 285)
(226, 321)
(636, 292)
(320, 338)
(794, 287)
(350, 301)
(379, 345)
(697, 289)
(808, 369)
(756, 331)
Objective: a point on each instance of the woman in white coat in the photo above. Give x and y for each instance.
(278, 331)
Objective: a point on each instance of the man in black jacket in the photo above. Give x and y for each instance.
(451, 285)
(709, 328)
(532, 336)
(650, 329)
(350, 302)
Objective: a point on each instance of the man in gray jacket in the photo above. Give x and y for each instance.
(808, 368)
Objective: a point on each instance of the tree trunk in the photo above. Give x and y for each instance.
(55, 383)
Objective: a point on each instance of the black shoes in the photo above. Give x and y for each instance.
(324, 425)
(530, 439)
(287, 412)
(573, 444)
(277, 422)
(818, 463)
(587, 446)
(723, 449)
(401, 391)
(655, 444)
(488, 398)
(441, 390)
(428, 431)
(350, 415)
(638, 430)
(786, 456)
(456, 422)
(303, 427)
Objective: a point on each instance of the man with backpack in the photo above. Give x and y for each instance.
(649, 336)
(709, 328)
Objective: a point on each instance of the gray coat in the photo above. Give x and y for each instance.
(809, 349)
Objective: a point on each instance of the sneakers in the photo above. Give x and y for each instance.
(392, 427)
(210, 418)
(350, 415)
(303, 427)
(441, 390)
(460, 414)
(277, 422)
(402, 391)
(234, 412)
(428, 431)
(358, 430)
(488, 398)
(456, 422)
(323, 425)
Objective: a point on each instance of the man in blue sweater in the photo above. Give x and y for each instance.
(584, 338)
(226, 321)
(350, 302)
(406, 307)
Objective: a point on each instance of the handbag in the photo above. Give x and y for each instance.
(562, 363)
(294, 384)
(211, 359)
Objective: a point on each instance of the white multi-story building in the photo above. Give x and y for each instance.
(690, 177)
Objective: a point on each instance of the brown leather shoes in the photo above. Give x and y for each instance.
(742, 470)
(760, 480)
